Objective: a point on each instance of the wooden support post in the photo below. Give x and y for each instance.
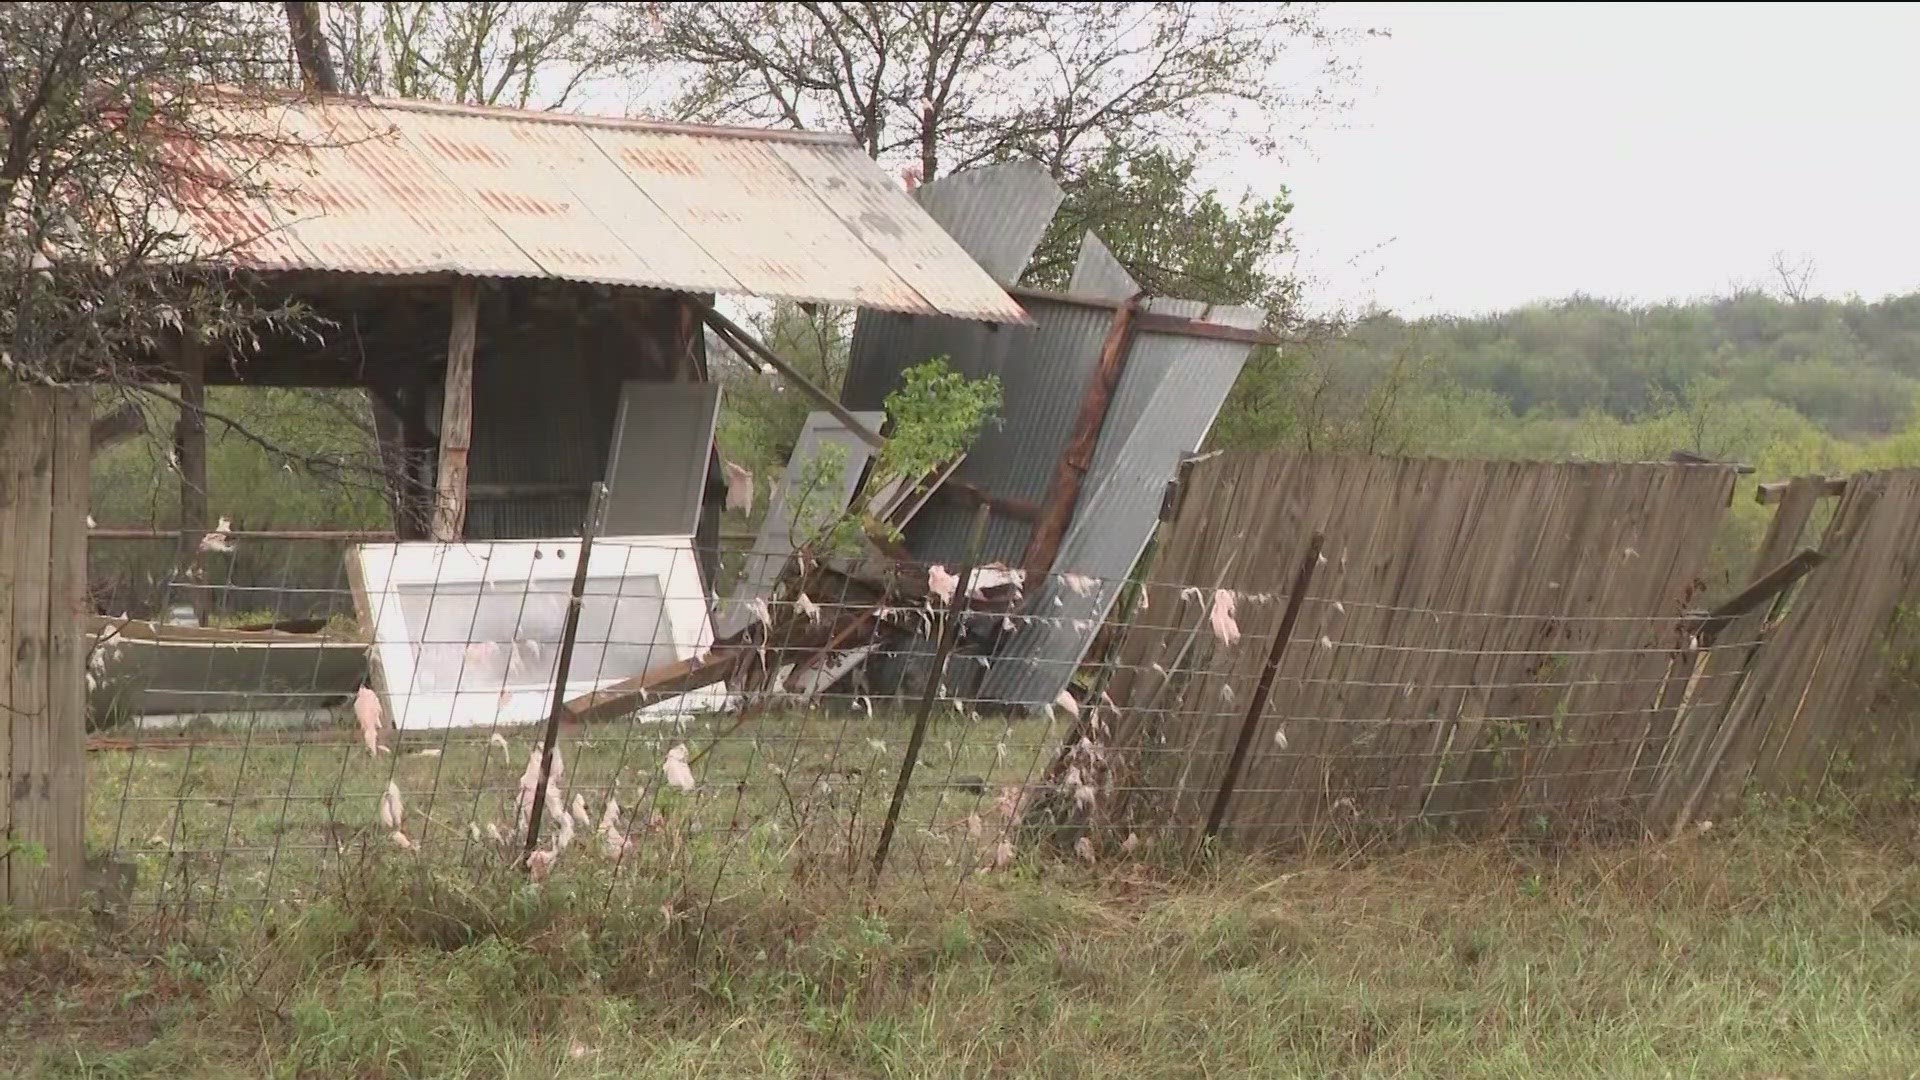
(456, 416)
(190, 455)
(45, 458)
(1257, 708)
(950, 631)
(687, 364)
(391, 438)
(1063, 491)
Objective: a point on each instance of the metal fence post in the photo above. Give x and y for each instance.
(950, 633)
(1264, 689)
(595, 503)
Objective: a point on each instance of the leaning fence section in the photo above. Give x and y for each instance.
(1480, 644)
(1831, 699)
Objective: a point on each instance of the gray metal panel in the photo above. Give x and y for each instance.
(774, 545)
(657, 466)
(1044, 370)
(997, 214)
(1168, 397)
(1097, 273)
(548, 422)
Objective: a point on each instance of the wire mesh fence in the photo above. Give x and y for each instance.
(394, 710)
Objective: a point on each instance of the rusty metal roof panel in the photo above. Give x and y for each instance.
(552, 191)
(892, 225)
(355, 196)
(774, 234)
(408, 188)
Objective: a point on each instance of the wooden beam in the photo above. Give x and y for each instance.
(962, 493)
(746, 342)
(1195, 328)
(1771, 492)
(456, 416)
(117, 427)
(665, 681)
(687, 364)
(1063, 492)
(190, 456)
(1764, 588)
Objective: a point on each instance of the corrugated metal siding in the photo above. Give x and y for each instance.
(774, 544)
(998, 214)
(1097, 273)
(410, 187)
(657, 467)
(1043, 369)
(1171, 391)
(538, 423)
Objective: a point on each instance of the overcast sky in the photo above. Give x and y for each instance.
(1500, 154)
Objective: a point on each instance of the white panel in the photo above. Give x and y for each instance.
(468, 635)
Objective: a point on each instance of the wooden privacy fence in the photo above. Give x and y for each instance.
(1832, 696)
(1481, 643)
(44, 460)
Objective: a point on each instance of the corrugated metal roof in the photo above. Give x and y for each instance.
(399, 187)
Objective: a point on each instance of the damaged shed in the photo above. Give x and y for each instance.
(493, 277)
(526, 299)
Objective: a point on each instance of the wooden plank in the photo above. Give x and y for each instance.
(31, 789)
(963, 494)
(456, 416)
(664, 681)
(16, 445)
(63, 737)
(1063, 490)
(749, 346)
(1764, 589)
(1773, 491)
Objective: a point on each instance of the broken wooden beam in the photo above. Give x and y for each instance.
(1063, 491)
(1764, 588)
(1772, 491)
(456, 416)
(731, 332)
(667, 680)
(962, 493)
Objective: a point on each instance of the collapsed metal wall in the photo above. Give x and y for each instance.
(1170, 390)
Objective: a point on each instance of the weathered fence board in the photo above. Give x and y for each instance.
(1487, 640)
(44, 460)
(1832, 695)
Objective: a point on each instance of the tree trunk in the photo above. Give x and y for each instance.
(310, 47)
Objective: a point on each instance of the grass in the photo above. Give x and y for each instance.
(1780, 947)
(231, 821)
